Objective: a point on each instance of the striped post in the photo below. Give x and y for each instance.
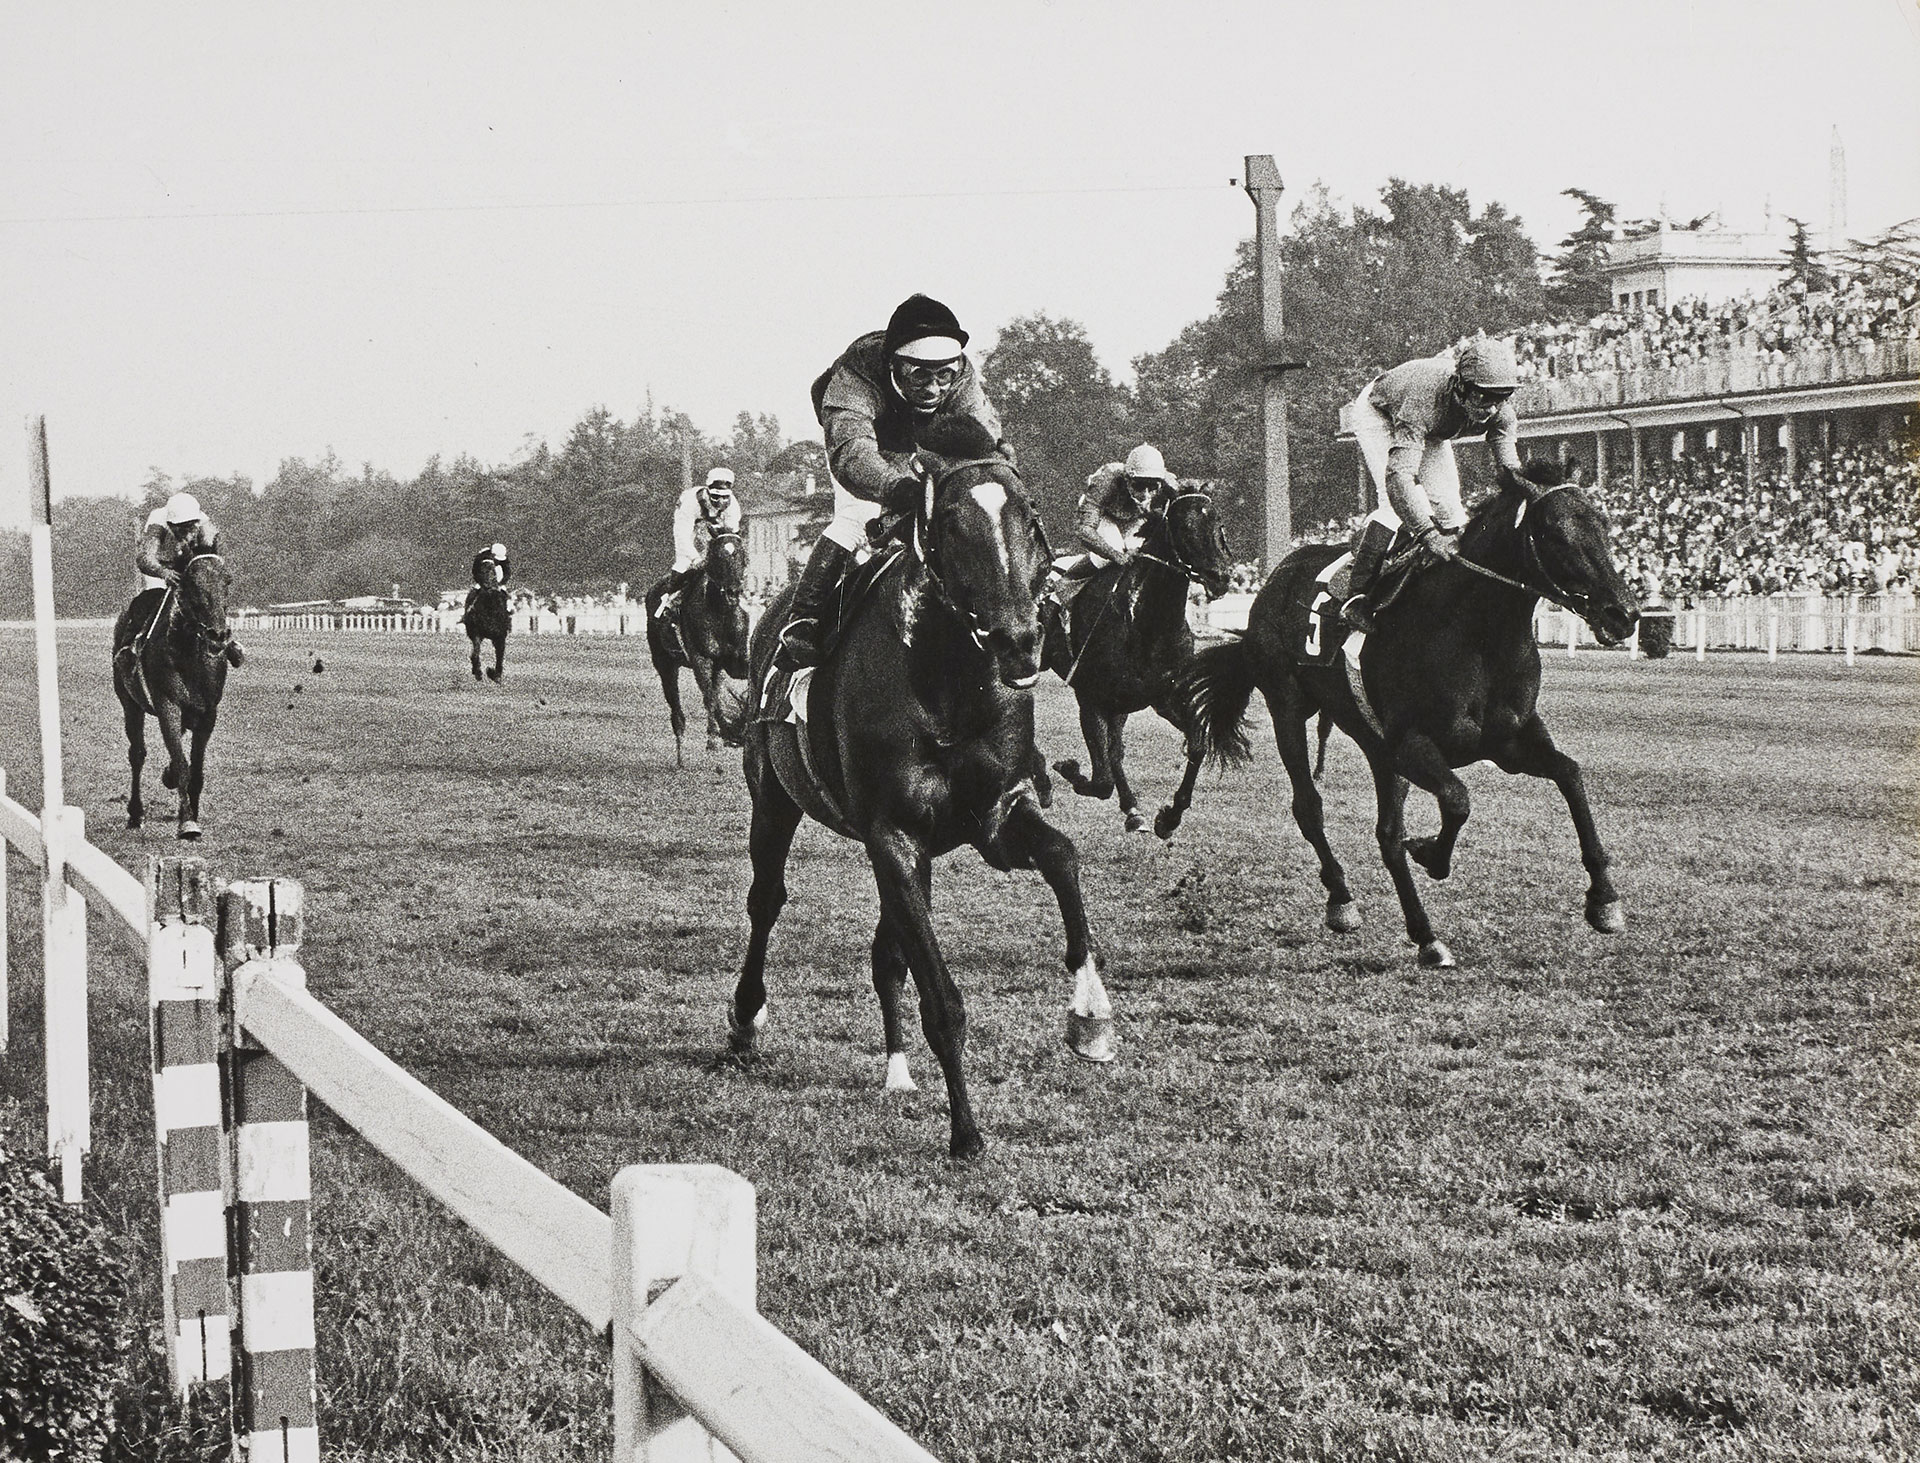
(274, 1413)
(183, 996)
(671, 1220)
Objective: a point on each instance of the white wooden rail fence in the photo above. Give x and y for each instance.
(669, 1275)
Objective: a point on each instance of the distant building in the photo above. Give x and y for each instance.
(1700, 261)
(783, 513)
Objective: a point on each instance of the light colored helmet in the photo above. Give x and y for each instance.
(499, 551)
(183, 508)
(1145, 461)
(1487, 364)
(720, 477)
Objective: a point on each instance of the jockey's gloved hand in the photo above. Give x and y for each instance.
(171, 575)
(1438, 543)
(904, 496)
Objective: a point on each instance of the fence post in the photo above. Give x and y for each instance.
(183, 1001)
(4, 998)
(1700, 633)
(1773, 630)
(63, 922)
(1847, 624)
(274, 1392)
(671, 1220)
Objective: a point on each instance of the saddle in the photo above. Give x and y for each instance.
(1312, 630)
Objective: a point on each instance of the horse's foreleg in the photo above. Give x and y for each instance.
(1037, 771)
(706, 675)
(897, 857)
(775, 817)
(1421, 763)
(1027, 838)
(890, 984)
(1532, 753)
(499, 657)
(1093, 728)
(670, 693)
(167, 713)
(136, 720)
(1290, 714)
(196, 777)
(474, 642)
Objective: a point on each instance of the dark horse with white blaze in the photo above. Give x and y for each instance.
(709, 637)
(1128, 640)
(1451, 674)
(487, 617)
(920, 739)
(177, 678)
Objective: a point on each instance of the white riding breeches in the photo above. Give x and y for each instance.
(851, 516)
(1438, 474)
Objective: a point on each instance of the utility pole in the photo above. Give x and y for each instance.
(1263, 185)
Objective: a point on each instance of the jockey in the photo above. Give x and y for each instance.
(1406, 423)
(491, 568)
(1113, 518)
(700, 513)
(174, 533)
(868, 403)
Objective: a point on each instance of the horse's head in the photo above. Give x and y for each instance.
(726, 564)
(1567, 549)
(1195, 542)
(986, 552)
(204, 583)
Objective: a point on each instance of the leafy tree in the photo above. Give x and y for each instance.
(1578, 288)
(1059, 406)
(1803, 260)
(756, 442)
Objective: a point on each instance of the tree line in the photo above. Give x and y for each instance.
(1366, 288)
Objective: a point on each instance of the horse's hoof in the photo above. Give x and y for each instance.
(1436, 956)
(899, 1079)
(1165, 822)
(170, 779)
(133, 820)
(742, 1038)
(1343, 916)
(1607, 918)
(190, 830)
(493, 675)
(476, 673)
(1426, 853)
(968, 1144)
(1091, 1037)
(1135, 821)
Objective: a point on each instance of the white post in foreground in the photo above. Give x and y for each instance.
(672, 1220)
(63, 922)
(3, 927)
(183, 996)
(1773, 631)
(1847, 610)
(1700, 634)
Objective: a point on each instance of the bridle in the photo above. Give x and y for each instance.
(929, 564)
(1174, 560)
(1556, 592)
(215, 639)
(716, 536)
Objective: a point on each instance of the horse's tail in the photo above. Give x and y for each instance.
(731, 705)
(1215, 689)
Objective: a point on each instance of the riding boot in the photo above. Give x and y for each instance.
(236, 657)
(800, 640)
(1054, 641)
(670, 598)
(1371, 552)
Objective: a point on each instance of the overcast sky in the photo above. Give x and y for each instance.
(231, 234)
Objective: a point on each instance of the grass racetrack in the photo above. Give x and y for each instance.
(1647, 1196)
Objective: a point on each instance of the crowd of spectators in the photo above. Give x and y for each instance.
(1846, 522)
(1861, 308)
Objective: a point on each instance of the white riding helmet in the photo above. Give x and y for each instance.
(183, 508)
(1145, 461)
(720, 477)
(499, 551)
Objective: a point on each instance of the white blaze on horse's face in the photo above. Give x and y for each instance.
(992, 498)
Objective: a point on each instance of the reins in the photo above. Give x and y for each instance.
(978, 634)
(1556, 593)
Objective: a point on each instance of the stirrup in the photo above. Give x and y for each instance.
(1357, 613)
(797, 652)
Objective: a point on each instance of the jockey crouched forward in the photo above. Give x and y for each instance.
(1406, 423)
(868, 403)
(700, 513)
(174, 534)
(1113, 518)
(492, 567)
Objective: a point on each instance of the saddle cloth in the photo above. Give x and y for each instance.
(1313, 631)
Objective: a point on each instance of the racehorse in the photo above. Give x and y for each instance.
(707, 633)
(488, 618)
(177, 678)
(1450, 675)
(1129, 639)
(919, 738)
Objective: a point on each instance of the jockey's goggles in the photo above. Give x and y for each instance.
(1493, 395)
(914, 373)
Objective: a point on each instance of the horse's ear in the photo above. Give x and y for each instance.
(1544, 472)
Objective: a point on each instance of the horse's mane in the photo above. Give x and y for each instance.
(1542, 472)
(954, 437)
